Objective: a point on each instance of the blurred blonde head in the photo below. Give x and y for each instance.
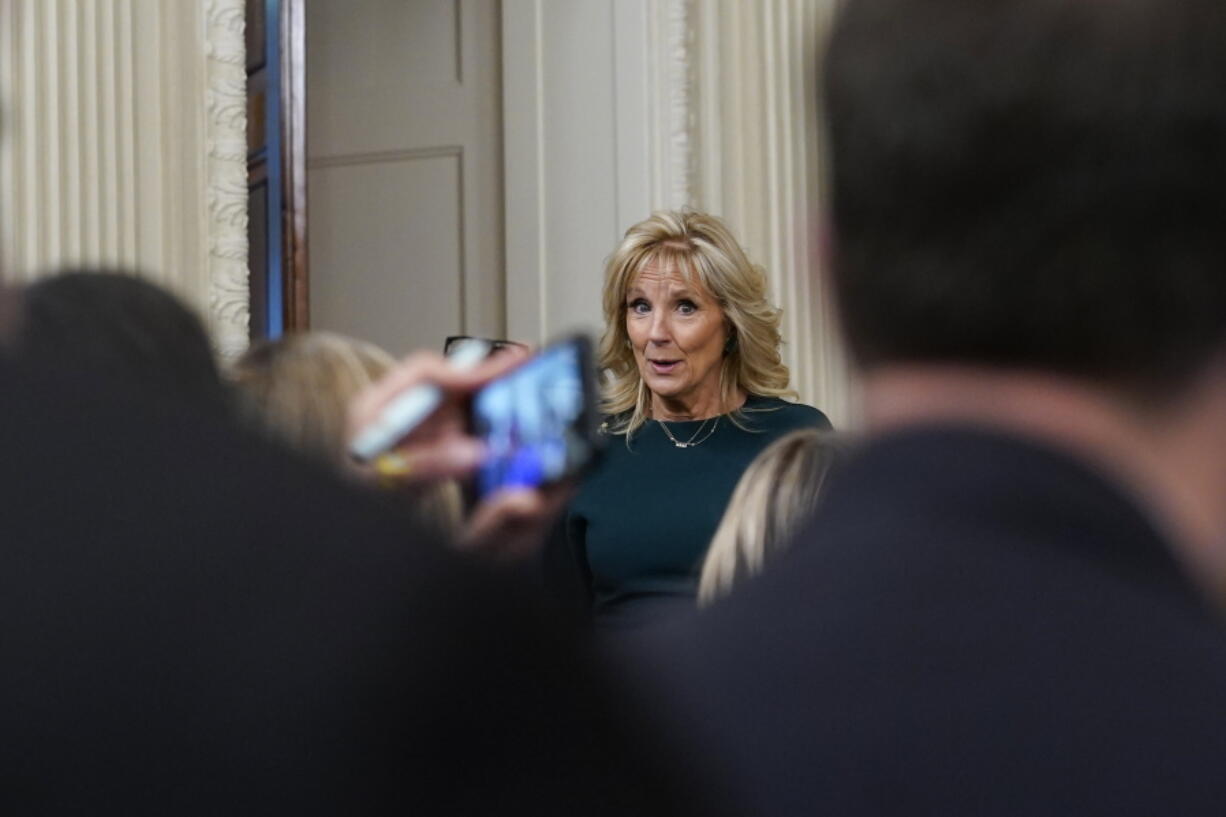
(774, 496)
(297, 389)
(700, 248)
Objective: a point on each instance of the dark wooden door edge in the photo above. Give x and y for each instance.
(294, 177)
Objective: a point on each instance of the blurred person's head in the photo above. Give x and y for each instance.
(9, 316)
(776, 494)
(119, 328)
(686, 318)
(297, 389)
(1031, 184)
(1027, 207)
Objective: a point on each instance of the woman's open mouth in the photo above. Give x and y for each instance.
(664, 366)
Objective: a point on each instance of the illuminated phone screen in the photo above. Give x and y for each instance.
(532, 422)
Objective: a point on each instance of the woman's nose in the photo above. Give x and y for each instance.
(660, 330)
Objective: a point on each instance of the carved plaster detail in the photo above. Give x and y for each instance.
(678, 74)
(226, 174)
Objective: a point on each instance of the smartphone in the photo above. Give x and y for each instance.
(538, 421)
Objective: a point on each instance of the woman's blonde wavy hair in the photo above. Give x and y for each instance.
(700, 248)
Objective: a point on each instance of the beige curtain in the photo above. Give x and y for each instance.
(757, 156)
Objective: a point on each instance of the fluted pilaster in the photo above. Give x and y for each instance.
(123, 145)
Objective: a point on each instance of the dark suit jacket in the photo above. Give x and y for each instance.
(194, 623)
(972, 625)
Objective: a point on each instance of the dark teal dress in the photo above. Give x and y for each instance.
(639, 527)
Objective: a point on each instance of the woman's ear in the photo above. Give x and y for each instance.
(731, 341)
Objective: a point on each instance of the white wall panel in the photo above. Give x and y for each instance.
(581, 169)
(576, 100)
(405, 211)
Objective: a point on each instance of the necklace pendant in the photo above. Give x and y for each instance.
(680, 444)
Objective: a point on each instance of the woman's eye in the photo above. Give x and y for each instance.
(687, 307)
(639, 307)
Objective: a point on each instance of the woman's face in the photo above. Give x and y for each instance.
(678, 331)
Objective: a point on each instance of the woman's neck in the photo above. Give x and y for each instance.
(680, 409)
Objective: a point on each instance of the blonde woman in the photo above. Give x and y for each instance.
(694, 391)
(775, 496)
(298, 390)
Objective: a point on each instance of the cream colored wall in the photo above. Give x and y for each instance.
(576, 106)
(123, 144)
(404, 143)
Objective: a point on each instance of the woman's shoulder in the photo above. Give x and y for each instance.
(777, 414)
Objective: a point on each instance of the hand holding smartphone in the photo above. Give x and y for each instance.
(512, 428)
(410, 408)
(533, 422)
(538, 422)
(428, 445)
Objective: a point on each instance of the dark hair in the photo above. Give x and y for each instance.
(9, 316)
(117, 327)
(1032, 183)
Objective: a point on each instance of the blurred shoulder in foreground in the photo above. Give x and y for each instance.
(195, 624)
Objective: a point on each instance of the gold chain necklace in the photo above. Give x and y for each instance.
(693, 440)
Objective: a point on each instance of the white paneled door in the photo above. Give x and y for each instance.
(405, 169)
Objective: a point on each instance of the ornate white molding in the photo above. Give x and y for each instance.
(679, 82)
(226, 176)
(671, 88)
(9, 197)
